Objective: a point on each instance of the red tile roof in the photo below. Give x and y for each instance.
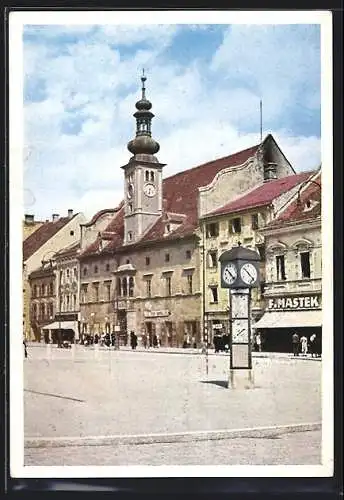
(33, 242)
(180, 195)
(298, 211)
(262, 195)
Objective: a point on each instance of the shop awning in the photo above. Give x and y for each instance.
(63, 325)
(289, 319)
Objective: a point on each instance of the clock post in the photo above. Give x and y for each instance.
(240, 273)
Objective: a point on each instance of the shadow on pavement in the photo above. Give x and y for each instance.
(220, 383)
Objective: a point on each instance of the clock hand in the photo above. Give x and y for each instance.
(249, 274)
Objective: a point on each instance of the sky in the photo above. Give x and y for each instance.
(205, 82)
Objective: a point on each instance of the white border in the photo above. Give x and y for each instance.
(16, 23)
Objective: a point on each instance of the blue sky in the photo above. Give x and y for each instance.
(81, 83)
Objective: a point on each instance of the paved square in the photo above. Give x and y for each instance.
(109, 393)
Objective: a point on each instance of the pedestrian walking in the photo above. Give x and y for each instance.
(144, 340)
(258, 342)
(25, 348)
(304, 345)
(312, 345)
(155, 340)
(133, 340)
(295, 341)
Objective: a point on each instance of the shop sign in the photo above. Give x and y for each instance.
(156, 314)
(295, 303)
(217, 326)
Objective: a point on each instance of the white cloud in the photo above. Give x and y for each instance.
(201, 114)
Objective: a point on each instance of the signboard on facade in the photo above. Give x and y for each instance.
(156, 314)
(295, 303)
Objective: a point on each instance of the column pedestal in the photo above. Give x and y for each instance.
(241, 379)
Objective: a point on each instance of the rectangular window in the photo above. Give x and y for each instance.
(188, 254)
(167, 257)
(280, 267)
(214, 294)
(305, 265)
(235, 225)
(168, 285)
(149, 288)
(67, 302)
(147, 261)
(96, 292)
(213, 258)
(189, 278)
(74, 303)
(254, 221)
(212, 230)
(107, 291)
(84, 292)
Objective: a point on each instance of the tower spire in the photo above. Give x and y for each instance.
(143, 142)
(143, 79)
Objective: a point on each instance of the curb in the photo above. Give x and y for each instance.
(174, 437)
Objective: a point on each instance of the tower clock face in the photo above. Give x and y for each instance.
(149, 189)
(248, 273)
(229, 274)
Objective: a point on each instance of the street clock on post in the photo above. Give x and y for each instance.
(239, 268)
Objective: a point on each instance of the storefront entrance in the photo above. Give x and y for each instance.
(280, 339)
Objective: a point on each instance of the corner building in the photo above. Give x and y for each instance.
(152, 245)
(293, 297)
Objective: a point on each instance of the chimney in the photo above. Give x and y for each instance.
(70, 213)
(55, 217)
(270, 171)
(29, 219)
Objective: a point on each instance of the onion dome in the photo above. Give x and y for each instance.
(143, 142)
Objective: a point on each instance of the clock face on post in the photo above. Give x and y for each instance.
(229, 274)
(248, 273)
(149, 189)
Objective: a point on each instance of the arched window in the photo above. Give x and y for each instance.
(84, 271)
(131, 286)
(42, 310)
(42, 290)
(35, 291)
(147, 175)
(124, 287)
(51, 288)
(95, 269)
(152, 176)
(51, 309)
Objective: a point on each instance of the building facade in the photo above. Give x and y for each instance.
(41, 246)
(240, 221)
(293, 270)
(141, 264)
(43, 299)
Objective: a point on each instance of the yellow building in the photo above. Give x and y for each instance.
(241, 221)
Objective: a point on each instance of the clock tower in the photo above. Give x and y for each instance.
(142, 175)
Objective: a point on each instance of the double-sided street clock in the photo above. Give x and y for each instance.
(240, 273)
(239, 268)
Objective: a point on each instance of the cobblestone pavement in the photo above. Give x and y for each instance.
(301, 448)
(91, 393)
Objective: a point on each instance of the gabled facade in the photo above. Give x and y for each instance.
(241, 221)
(41, 246)
(43, 297)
